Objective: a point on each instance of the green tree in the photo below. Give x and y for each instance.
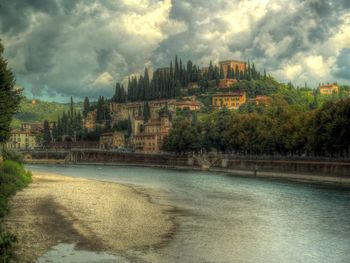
(9, 98)
(222, 73)
(184, 137)
(47, 133)
(86, 107)
(55, 132)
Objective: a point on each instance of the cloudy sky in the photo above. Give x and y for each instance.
(59, 48)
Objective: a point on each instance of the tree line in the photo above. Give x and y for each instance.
(166, 83)
(68, 125)
(276, 130)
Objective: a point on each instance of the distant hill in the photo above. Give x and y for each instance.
(41, 111)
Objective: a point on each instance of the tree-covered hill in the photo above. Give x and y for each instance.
(40, 111)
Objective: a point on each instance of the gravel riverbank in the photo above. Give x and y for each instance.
(94, 215)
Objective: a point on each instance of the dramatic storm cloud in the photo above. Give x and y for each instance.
(59, 48)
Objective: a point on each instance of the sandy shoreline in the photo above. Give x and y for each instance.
(99, 216)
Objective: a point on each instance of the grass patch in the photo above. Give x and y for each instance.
(13, 177)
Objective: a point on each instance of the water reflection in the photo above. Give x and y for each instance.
(231, 219)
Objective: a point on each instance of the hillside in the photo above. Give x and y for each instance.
(40, 111)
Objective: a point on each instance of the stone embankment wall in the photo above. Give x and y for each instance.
(334, 171)
(307, 167)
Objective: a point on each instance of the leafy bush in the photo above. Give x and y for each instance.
(13, 177)
(12, 155)
(6, 244)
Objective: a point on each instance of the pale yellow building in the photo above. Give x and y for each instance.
(22, 140)
(229, 100)
(329, 89)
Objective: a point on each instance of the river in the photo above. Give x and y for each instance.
(224, 218)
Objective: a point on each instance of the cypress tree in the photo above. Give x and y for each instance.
(228, 74)
(176, 73)
(123, 94)
(210, 71)
(172, 75)
(47, 134)
(9, 98)
(86, 108)
(129, 90)
(180, 70)
(71, 107)
(222, 73)
(254, 72)
(54, 132)
(146, 85)
(189, 71)
(248, 72)
(237, 77)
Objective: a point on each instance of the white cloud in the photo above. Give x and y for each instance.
(104, 79)
(83, 48)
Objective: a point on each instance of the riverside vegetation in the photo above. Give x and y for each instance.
(279, 129)
(13, 177)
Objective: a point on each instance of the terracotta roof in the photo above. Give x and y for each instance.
(328, 86)
(262, 97)
(229, 94)
(232, 60)
(188, 102)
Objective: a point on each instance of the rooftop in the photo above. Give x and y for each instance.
(232, 60)
(229, 94)
(328, 85)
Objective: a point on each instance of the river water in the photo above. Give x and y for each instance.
(223, 218)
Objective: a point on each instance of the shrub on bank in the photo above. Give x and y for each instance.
(12, 155)
(13, 177)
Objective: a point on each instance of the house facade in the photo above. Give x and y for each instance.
(229, 100)
(150, 138)
(22, 140)
(112, 140)
(329, 89)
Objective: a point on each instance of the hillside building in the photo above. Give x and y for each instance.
(134, 110)
(22, 140)
(262, 100)
(150, 138)
(112, 140)
(233, 64)
(226, 65)
(229, 100)
(90, 121)
(329, 89)
(225, 83)
(32, 127)
(192, 105)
